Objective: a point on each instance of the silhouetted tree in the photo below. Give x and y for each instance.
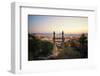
(83, 45)
(33, 47)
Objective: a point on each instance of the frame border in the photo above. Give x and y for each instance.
(16, 53)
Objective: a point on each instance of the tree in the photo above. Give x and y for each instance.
(83, 45)
(33, 47)
(83, 40)
(46, 48)
(38, 48)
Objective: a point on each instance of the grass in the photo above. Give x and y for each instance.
(68, 53)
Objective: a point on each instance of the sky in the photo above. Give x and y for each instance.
(48, 24)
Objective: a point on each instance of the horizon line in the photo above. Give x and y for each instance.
(58, 33)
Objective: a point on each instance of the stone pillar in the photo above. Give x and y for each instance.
(54, 37)
(63, 37)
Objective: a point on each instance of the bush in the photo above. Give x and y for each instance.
(46, 48)
(38, 48)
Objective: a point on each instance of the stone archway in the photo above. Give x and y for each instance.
(58, 42)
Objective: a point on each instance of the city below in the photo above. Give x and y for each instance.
(49, 36)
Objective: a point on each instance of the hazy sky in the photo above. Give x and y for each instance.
(48, 24)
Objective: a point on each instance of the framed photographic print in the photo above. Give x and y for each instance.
(51, 38)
